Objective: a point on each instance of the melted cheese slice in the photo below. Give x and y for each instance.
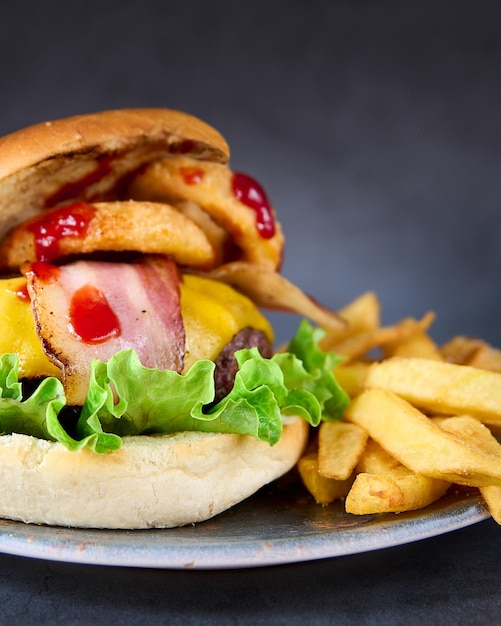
(212, 313)
(19, 334)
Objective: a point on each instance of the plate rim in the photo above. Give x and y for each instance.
(93, 546)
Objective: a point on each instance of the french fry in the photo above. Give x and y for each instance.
(362, 314)
(460, 349)
(472, 431)
(375, 460)
(324, 490)
(384, 493)
(440, 387)
(340, 446)
(384, 485)
(409, 459)
(351, 376)
(418, 345)
(492, 496)
(420, 444)
(487, 358)
(471, 351)
(356, 346)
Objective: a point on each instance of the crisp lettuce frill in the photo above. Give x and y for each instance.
(126, 398)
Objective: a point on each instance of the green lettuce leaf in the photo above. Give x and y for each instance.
(38, 415)
(127, 398)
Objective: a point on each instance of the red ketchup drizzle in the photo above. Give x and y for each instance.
(45, 271)
(192, 175)
(91, 317)
(73, 190)
(22, 293)
(249, 192)
(69, 221)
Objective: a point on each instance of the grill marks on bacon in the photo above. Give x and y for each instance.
(139, 305)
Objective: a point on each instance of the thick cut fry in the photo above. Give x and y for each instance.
(351, 377)
(392, 488)
(340, 446)
(383, 493)
(460, 349)
(471, 351)
(375, 460)
(441, 387)
(472, 431)
(419, 444)
(356, 346)
(487, 358)
(362, 315)
(419, 345)
(492, 497)
(324, 490)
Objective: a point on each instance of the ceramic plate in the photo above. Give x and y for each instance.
(280, 524)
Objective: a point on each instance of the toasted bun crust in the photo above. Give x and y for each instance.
(40, 163)
(151, 482)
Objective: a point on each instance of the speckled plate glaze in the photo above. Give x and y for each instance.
(280, 524)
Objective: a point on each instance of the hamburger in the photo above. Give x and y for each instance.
(138, 383)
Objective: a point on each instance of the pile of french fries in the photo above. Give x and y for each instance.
(423, 418)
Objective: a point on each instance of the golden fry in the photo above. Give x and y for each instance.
(420, 444)
(487, 358)
(471, 351)
(384, 485)
(383, 493)
(460, 349)
(409, 459)
(492, 497)
(361, 315)
(472, 431)
(340, 446)
(375, 460)
(440, 387)
(357, 345)
(351, 376)
(418, 345)
(324, 490)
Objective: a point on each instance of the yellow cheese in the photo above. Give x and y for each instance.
(213, 313)
(18, 333)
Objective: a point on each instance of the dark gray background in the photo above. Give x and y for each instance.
(375, 128)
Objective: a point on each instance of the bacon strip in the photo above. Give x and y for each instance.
(141, 299)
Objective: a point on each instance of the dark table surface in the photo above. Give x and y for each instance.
(452, 579)
(376, 130)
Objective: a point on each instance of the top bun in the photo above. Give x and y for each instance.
(87, 157)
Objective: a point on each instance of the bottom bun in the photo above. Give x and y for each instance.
(150, 482)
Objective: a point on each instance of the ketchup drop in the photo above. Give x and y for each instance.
(45, 271)
(192, 175)
(92, 319)
(69, 221)
(22, 293)
(249, 192)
